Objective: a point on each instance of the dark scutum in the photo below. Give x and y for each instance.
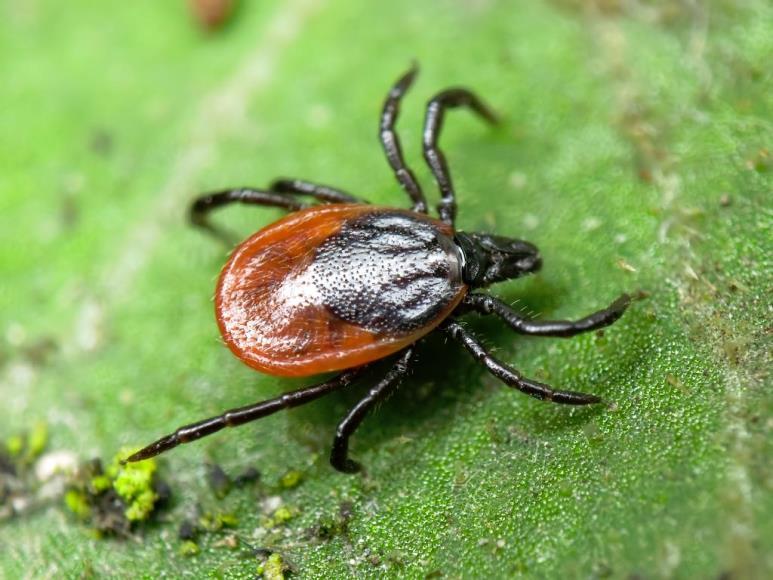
(390, 272)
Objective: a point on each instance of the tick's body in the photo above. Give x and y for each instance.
(333, 287)
(342, 284)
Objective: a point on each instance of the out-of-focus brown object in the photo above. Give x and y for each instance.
(212, 14)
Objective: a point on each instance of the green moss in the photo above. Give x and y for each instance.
(77, 502)
(101, 483)
(24, 448)
(134, 484)
(15, 445)
(111, 501)
(141, 506)
(273, 568)
(213, 522)
(282, 515)
(291, 479)
(228, 520)
(189, 548)
(38, 439)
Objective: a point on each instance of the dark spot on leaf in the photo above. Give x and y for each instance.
(188, 530)
(249, 475)
(218, 480)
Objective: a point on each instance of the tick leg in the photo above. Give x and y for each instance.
(243, 415)
(320, 192)
(485, 304)
(433, 124)
(339, 454)
(510, 376)
(391, 141)
(207, 202)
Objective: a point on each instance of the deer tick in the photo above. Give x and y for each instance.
(339, 284)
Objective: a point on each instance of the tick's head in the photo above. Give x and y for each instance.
(489, 259)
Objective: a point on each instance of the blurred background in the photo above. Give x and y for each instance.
(635, 152)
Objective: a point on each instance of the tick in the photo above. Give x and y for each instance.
(339, 284)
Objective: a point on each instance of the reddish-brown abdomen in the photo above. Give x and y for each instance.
(336, 286)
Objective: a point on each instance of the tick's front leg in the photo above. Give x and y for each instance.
(485, 304)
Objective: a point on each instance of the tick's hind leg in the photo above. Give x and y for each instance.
(322, 193)
(391, 141)
(485, 304)
(433, 124)
(510, 376)
(339, 454)
(244, 415)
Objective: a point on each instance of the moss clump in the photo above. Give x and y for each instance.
(37, 440)
(216, 522)
(282, 515)
(141, 506)
(21, 476)
(101, 483)
(14, 444)
(279, 517)
(273, 568)
(134, 484)
(291, 479)
(189, 548)
(24, 448)
(78, 503)
(112, 500)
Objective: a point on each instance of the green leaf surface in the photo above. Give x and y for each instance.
(635, 152)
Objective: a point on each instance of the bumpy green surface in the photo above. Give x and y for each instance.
(633, 152)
